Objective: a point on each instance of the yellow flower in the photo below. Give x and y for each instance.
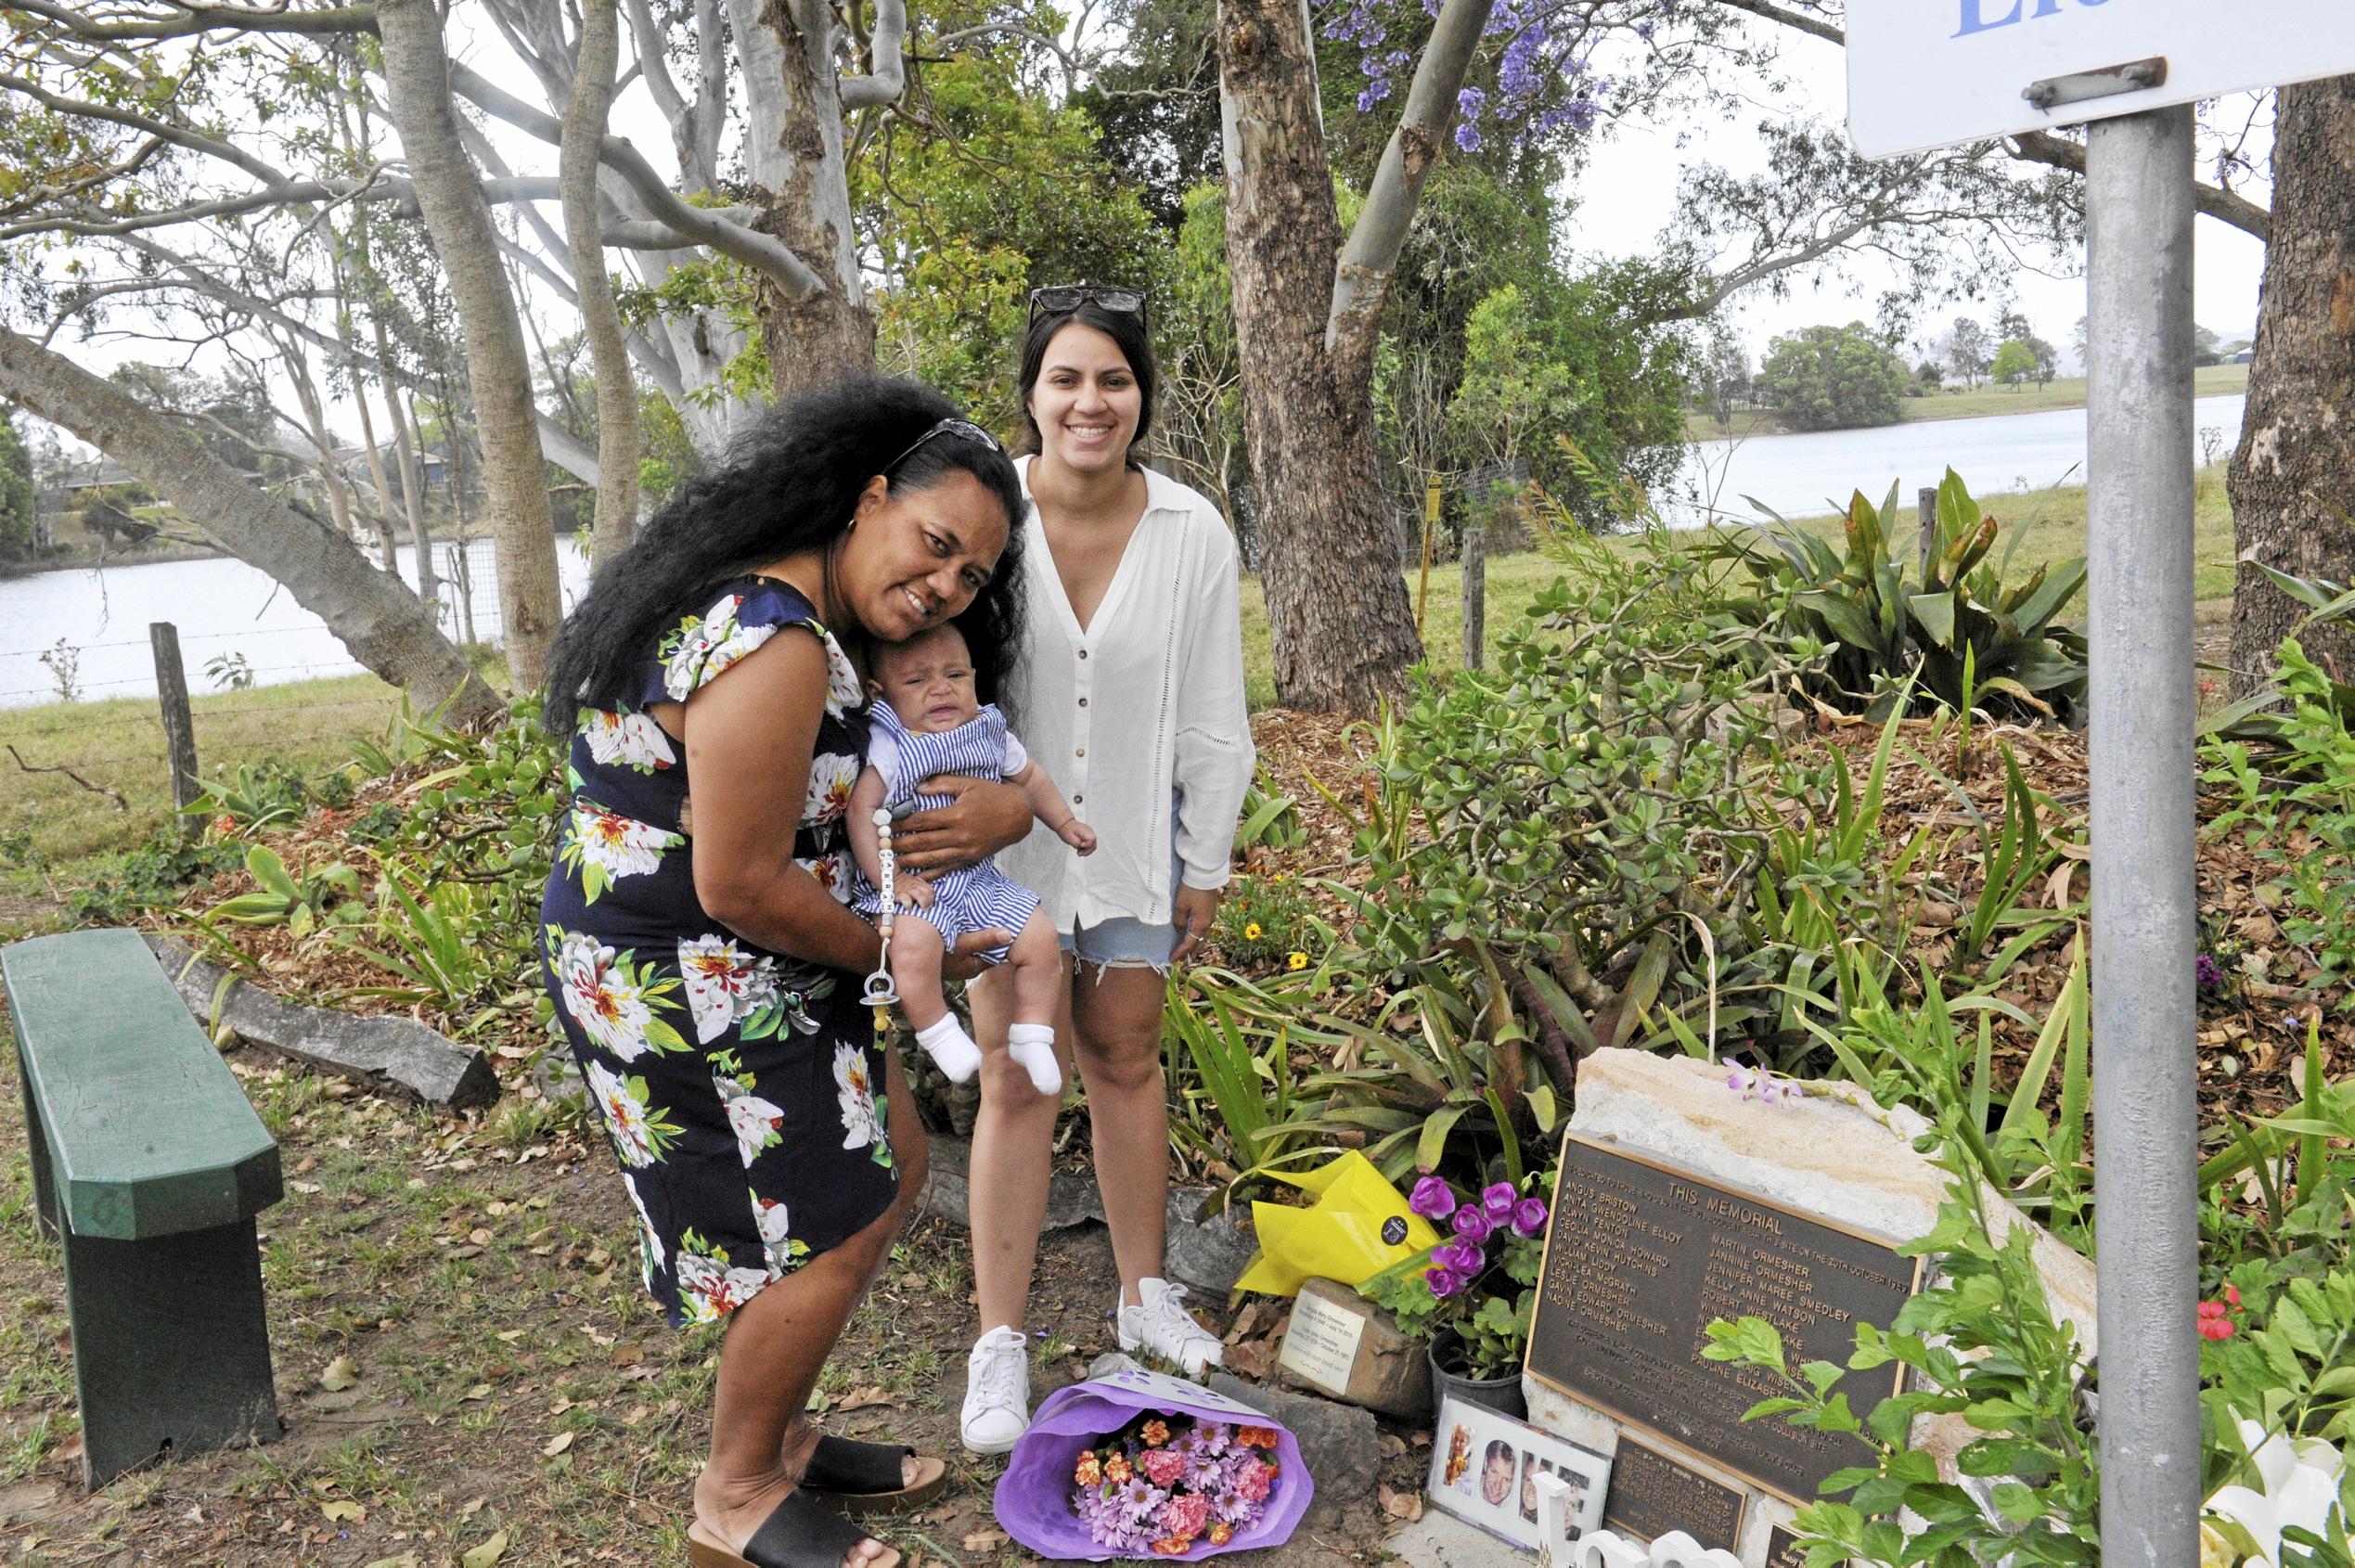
(1251, 932)
(1297, 961)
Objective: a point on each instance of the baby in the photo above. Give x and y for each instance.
(927, 723)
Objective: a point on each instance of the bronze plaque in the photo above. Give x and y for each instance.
(1641, 1258)
(1653, 1494)
(1783, 1550)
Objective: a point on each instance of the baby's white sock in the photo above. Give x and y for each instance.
(1032, 1044)
(949, 1045)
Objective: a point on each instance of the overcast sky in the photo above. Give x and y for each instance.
(1628, 192)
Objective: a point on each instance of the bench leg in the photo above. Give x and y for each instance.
(44, 1198)
(171, 1349)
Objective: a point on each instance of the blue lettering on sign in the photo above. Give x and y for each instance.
(1974, 17)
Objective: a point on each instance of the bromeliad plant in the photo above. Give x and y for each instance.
(1949, 619)
(1473, 1295)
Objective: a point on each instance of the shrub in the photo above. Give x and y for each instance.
(1953, 627)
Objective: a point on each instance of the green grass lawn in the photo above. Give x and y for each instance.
(1955, 403)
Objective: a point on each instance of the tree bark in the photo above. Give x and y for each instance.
(450, 196)
(1337, 611)
(617, 436)
(2289, 478)
(794, 145)
(373, 616)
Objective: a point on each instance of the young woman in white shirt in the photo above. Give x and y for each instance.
(1130, 694)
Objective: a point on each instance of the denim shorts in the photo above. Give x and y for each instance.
(1121, 942)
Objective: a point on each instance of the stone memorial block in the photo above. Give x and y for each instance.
(1341, 1345)
(1683, 1202)
(1655, 1256)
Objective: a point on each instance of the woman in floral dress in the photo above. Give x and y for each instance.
(704, 971)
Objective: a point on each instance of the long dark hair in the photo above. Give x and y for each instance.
(789, 485)
(1125, 328)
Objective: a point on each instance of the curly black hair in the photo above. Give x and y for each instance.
(790, 483)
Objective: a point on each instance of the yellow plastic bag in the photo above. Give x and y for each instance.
(1359, 1226)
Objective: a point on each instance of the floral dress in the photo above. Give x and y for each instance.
(741, 1087)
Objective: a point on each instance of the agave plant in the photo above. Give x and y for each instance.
(1944, 616)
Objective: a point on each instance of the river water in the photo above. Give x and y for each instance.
(1809, 475)
(222, 606)
(225, 607)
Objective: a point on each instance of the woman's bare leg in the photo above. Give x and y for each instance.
(1116, 1012)
(1013, 1141)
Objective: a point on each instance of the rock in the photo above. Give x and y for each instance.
(1438, 1541)
(558, 1077)
(1831, 1153)
(1343, 1345)
(396, 1053)
(1341, 1444)
(1072, 1197)
(1208, 1253)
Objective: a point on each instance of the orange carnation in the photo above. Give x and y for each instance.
(1155, 1433)
(1256, 1436)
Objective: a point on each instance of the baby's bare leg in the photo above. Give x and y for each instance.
(916, 963)
(916, 954)
(1036, 959)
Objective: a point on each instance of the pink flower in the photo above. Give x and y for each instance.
(1161, 1466)
(1529, 1215)
(1444, 1282)
(1497, 1199)
(1252, 1481)
(1186, 1516)
(1476, 1225)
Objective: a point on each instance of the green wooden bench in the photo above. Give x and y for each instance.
(149, 1160)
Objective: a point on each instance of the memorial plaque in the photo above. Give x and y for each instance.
(1641, 1256)
(1653, 1494)
(1783, 1549)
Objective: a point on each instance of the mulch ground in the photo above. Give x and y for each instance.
(465, 1359)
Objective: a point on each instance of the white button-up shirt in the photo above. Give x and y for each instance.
(1140, 719)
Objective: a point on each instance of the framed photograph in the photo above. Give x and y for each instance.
(1484, 1468)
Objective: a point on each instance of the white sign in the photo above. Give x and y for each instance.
(1926, 73)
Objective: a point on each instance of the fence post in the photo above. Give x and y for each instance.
(1475, 593)
(1928, 502)
(179, 723)
(1430, 525)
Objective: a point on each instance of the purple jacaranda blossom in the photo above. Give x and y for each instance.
(1498, 1199)
(1433, 1198)
(1444, 1282)
(1529, 1215)
(1473, 1223)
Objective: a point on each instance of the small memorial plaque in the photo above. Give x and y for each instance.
(1321, 1344)
(1653, 1494)
(1783, 1550)
(1641, 1258)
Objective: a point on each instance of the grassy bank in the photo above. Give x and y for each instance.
(1978, 403)
(118, 746)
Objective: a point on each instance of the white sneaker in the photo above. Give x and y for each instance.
(996, 1392)
(1164, 1326)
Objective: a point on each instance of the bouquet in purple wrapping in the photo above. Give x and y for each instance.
(1141, 1465)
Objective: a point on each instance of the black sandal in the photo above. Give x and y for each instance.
(858, 1477)
(797, 1533)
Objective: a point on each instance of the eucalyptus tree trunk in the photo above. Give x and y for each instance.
(617, 436)
(2290, 475)
(373, 614)
(458, 219)
(1341, 630)
(794, 146)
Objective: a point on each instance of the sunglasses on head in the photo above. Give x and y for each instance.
(1057, 298)
(963, 429)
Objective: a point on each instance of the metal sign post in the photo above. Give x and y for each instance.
(2139, 588)
(2006, 67)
